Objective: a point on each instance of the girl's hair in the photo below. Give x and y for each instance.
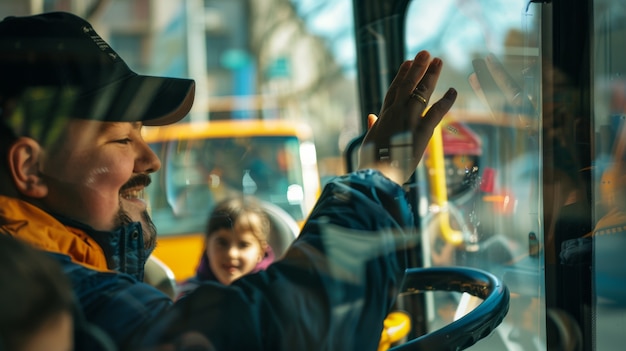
(241, 213)
(34, 290)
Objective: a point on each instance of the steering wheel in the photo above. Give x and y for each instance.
(467, 330)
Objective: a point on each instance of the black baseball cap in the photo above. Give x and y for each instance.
(55, 64)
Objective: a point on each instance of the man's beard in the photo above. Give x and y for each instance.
(147, 226)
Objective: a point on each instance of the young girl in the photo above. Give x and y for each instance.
(236, 243)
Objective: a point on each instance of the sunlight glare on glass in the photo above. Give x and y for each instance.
(451, 28)
(295, 194)
(308, 155)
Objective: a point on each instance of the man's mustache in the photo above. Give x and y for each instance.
(137, 180)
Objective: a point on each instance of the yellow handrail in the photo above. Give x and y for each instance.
(437, 178)
(396, 326)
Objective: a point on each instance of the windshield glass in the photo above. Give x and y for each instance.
(198, 173)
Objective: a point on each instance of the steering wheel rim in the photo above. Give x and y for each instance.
(472, 327)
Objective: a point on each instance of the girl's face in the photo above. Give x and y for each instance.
(233, 253)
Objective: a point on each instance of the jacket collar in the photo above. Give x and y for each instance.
(119, 250)
(122, 247)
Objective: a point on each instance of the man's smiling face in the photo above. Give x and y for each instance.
(97, 174)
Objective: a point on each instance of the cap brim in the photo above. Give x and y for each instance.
(152, 100)
(172, 101)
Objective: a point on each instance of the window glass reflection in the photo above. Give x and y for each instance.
(605, 247)
(481, 203)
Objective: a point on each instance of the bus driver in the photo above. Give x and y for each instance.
(74, 165)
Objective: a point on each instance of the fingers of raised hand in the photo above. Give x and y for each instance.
(415, 80)
(422, 79)
(395, 90)
(409, 94)
(438, 110)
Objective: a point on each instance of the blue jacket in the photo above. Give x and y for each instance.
(331, 291)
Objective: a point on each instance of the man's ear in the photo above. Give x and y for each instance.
(24, 157)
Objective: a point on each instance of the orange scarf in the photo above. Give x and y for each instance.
(29, 223)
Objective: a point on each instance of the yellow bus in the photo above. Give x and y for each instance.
(204, 162)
